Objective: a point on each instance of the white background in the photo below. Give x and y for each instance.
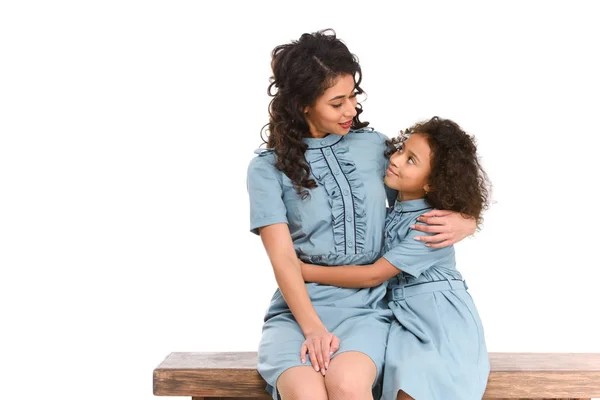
(127, 127)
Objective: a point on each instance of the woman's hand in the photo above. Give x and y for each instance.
(449, 227)
(320, 346)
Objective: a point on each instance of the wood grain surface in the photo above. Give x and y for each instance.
(226, 376)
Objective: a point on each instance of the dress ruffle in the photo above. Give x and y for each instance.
(333, 168)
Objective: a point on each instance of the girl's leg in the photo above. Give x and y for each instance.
(404, 396)
(350, 376)
(301, 383)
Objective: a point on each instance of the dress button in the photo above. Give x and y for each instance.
(328, 152)
(323, 142)
(336, 172)
(349, 218)
(346, 192)
(350, 244)
(314, 258)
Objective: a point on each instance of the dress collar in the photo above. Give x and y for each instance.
(411, 205)
(319, 143)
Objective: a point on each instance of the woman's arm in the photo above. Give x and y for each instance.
(350, 276)
(278, 243)
(448, 227)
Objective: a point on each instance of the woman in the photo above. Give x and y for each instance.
(317, 193)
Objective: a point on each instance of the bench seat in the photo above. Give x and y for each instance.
(233, 375)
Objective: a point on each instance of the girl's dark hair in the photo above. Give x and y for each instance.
(302, 71)
(457, 180)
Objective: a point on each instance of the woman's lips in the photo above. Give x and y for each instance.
(346, 125)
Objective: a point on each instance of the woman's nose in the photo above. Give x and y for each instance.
(350, 110)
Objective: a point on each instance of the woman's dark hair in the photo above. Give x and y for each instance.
(302, 71)
(457, 180)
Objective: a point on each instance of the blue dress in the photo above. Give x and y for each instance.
(436, 347)
(340, 223)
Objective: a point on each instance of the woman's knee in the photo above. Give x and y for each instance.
(301, 383)
(351, 375)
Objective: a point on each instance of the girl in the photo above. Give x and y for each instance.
(316, 193)
(436, 347)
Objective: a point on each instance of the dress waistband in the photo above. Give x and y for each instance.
(400, 293)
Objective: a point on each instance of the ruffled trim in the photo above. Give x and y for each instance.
(334, 169)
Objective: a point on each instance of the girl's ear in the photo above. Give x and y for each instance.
(428, 188)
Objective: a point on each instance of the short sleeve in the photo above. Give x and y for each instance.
(413, 257)
(266, 194)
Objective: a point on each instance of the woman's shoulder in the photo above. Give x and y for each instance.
(263, 161)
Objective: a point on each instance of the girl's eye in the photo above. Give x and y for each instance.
(411, 160)
(337, 105)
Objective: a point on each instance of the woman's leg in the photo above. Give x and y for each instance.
(301, 383)
(350, 376)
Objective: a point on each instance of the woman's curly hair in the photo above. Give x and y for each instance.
(457, 180)
(302, 71)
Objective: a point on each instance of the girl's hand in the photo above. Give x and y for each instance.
(320, 346)
(449, 227)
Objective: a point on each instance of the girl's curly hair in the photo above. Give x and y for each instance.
(457, 179)
(302, 71)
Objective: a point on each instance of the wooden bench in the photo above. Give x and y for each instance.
(227, 376)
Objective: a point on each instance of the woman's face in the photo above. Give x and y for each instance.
(409, 168)
(333, 110)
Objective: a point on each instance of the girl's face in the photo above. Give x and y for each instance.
(333, 111)
(409, 168)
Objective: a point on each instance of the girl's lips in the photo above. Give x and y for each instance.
(389, 171)
(346, 125)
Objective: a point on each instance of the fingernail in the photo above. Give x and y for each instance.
(412, 227)
(326, 365)
(330, 353)
(317, 368)
(418, 238)
(427, 244)
(303, 361)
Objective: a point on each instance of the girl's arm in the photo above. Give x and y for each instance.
(350, 276)
(408, 256)
(448, 227)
